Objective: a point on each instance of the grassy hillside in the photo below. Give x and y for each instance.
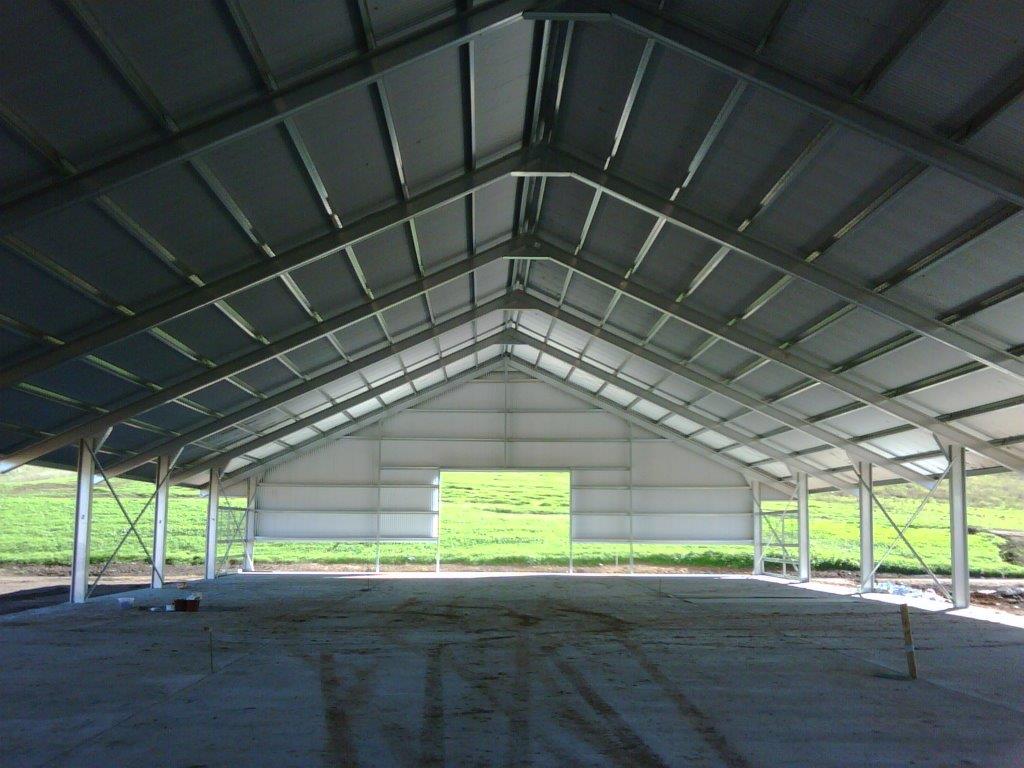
(500, 519)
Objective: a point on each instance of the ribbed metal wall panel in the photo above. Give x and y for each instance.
(382, 483)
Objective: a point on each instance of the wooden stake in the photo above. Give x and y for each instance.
(908, 642)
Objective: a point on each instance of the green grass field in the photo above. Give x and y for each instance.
(499, 519)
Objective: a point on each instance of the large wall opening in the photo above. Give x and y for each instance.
(502, 518)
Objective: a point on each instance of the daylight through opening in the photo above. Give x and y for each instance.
(502, 519)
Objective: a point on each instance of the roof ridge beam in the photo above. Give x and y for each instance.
(561, 164)
(732, 58)
(318, 248)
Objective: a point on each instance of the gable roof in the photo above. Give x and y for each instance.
(798, 225)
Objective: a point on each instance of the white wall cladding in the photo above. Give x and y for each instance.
(665, 494)
(382, 482)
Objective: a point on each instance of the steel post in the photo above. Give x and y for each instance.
(803, 519)
(250, 524)
(212, 508)
(755, 491)
(959, 566)
(163, 486)
(83, 521)
(865, 496)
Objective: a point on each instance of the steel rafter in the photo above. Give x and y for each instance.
(559, 164)
(830, 103)
(221, 458)
(679, 409)
(145, 96)
(756, 345)
(236, 282)
(712, 384)
(252, 359)
(356, 72)
(811, 150)
(312, 384)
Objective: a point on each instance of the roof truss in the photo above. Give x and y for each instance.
(740, 62)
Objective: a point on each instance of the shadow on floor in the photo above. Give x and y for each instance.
(40, 597)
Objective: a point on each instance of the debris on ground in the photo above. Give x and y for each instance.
(1013, 594)
(895, 588)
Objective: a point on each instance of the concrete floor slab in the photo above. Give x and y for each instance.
(328, 669)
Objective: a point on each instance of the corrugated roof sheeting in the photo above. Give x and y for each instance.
(87, 243)
(22, 169)
(426, 101)
(71, 99)
(594, 91)
(502, 70)
(934, 83)
(186, 54)
(675, 107)
(747, 20)
(1002, 321)
(210, 217)
(763, 137)
(351, 154)
(616, 234)
(284, 213)
(846, 168)
(296, 43)
(838, 41)
(177, 207)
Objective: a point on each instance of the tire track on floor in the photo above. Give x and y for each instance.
(340, 744)
(698, 720)
(432, 731)
(634, 749)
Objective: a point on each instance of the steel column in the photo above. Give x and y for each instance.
(250, 524)
(959, 567)
(163, 486)
(803, 519)
(212, 508)
(865, 496)
(83, 520)
(755, 492)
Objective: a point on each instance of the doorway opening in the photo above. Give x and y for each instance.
(501, 519)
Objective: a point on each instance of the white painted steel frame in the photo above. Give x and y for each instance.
(959, 563)
(755, 497)
(212, 511)
(803, 523)
(866, 505)
(83, 520)
(160, 511)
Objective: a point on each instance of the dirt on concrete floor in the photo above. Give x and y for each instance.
(320, 670)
